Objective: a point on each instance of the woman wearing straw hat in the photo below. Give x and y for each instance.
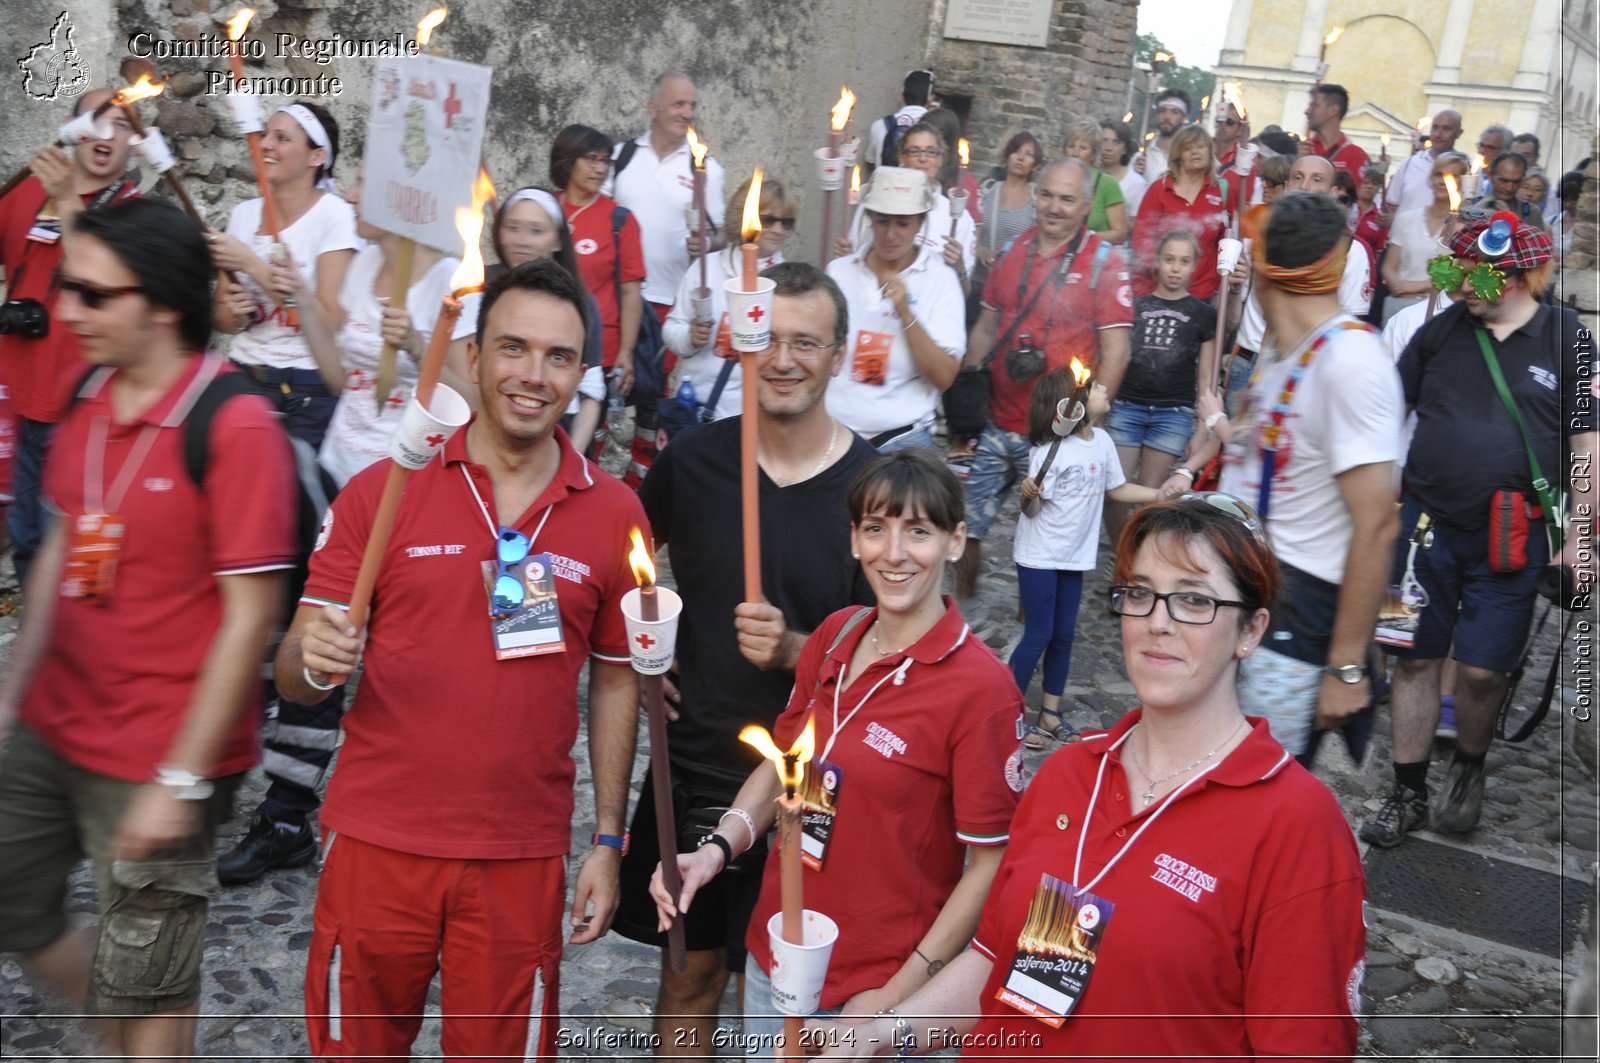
(907, 318)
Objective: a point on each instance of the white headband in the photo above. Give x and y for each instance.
(546, 202)
(318, 137)
(1174, 102)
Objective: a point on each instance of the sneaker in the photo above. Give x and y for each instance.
(1447, 719)
(1051, 728)
(1402, 812)
(1463, 802)
(265, 846)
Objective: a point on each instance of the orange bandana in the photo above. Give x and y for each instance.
(1317, 278)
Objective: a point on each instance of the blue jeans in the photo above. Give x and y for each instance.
(1050, 612)
(1163, 428)
(917, 437)
(1239, 371)
(1000, 460)
(25, 517)
(763, 1026)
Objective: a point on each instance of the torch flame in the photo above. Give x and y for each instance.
(1148, 137)
(1454, 190)
(1233, 92)
(855, 178)
(1205, 102)
(699, 149)
(1333, 35)
(468, 276)
(1128, 117)
(1080, 373)
(750, 221)
(240, 22)
(842, 109)
(644, 569)
(142, 89)
(428, 24)
(790, 766)
(1161, 57)
(965, 151)
(1422, 124)
(1384, 140)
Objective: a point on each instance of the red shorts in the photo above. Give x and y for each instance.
(386, 921)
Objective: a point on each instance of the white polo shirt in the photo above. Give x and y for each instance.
(1355, 297)
(935, 229)
(1410, 188)
(873, 394)
(658, 190)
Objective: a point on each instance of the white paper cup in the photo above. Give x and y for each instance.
(691, 219)
(700, 301)
(423, 432)
(84, 129)
(245, 107)
(152, 148)
(830, 170)
(1065, 420)
(1245, 160)
(850, 152)
(651, 645)
(958, 203)
(749, 314)
(1228, 251)
(798, 971)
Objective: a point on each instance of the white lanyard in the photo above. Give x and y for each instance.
(95, 460)
(494, 532)
(1083, 832)
(899, 670)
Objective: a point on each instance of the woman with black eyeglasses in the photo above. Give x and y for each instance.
(706, 358)
(1178, 886)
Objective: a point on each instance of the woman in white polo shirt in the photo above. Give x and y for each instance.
(907, 319)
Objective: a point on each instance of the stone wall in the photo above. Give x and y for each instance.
(767, 74)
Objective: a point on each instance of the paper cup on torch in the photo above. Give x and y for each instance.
(424, 430)
(652, 643)
(749, 314)
(958, 203)
(700, 302)
(798, 971)
(245, 109)
(1067, 416)
(1228, 251)
(85, 129)
(1245, 161)
(691, 218)
(850, 151)
(153, 149)
(830, 170)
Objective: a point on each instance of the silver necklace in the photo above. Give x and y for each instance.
(1149, 794)
(833, 437)
(881, 651)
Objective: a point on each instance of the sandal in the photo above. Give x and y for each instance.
(1045, 732)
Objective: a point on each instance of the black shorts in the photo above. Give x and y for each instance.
(719, 915)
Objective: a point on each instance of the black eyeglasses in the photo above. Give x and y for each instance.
(94, 297)
(598, 158)
(922, 153)
(509, 592)
(773, 219)
(1185, 607)
(803, 348)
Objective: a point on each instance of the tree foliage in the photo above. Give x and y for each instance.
(1196, 82)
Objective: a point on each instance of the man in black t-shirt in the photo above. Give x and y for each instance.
(1469, 457)
(735, 659)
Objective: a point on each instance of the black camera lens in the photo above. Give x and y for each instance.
(24, 317)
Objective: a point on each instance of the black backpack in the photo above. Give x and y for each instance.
(891, 140)
(650, 346)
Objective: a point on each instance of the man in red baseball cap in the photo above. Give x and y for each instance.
(1502, 387)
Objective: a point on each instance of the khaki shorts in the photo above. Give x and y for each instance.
(153, 911)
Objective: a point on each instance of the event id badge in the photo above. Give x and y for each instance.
(820, 805)
(1056, 951)
(524, 609)
(724, 341)
(94, 545)
(871, 362)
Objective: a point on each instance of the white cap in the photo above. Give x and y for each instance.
(897, 190)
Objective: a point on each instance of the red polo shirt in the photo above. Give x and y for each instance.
(1065, 324)
(40, 372)
(928, 766)
(1160, 212)
(448, 751)
(1237, 923)
(117, 680)
(597, 253)
(1343, 154)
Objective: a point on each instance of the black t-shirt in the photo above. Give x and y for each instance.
(1165, 355)
(1466, 445)
(691, 496)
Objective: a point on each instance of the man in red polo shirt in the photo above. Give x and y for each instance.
(1324, 115)
(449, 815)
(40, 369)
(150, 602)
(1059, 290)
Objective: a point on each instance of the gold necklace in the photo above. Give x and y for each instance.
(1149, 794)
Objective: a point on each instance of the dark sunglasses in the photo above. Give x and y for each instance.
(773, 219)
(1345, 201)
(1234, 507)
(1229, 122)
(94, 297)
(509, 592)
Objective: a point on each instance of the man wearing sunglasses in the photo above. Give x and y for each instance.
(129, 713)
(449, 814)
(1231, 132)
(39, 359)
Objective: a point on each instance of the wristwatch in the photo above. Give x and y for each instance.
(183, 785)
(1183, 470)
(1211, 422)
(1350, 674)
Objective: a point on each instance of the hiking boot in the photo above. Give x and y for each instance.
(1463, 802)
(265, 846)
(1402, 812)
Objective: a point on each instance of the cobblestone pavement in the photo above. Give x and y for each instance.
(1433, 987)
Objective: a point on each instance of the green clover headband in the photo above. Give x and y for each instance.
(1487, 280)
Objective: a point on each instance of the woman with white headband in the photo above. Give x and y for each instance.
(299, 147)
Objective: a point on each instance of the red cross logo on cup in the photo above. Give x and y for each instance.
(435, 441)
(645, 640)
(755, 313)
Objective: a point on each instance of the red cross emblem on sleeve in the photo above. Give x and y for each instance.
(755, 313)
(452, 107)
(645, 640)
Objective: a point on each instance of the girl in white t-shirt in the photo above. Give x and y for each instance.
(262, 281)
(1057, 545)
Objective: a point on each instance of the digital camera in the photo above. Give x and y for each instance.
(24, 317)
